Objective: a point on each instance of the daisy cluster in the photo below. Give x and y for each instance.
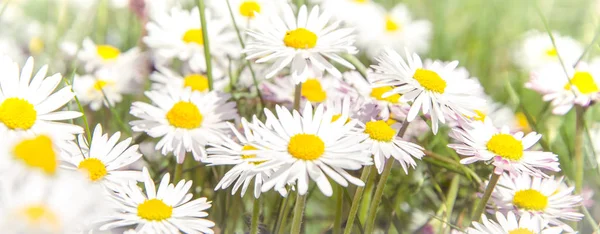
(267, 95)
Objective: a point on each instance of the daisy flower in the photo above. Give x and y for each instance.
(185, 121)
(355, 108)
(509, 224)
(435, 87)
(178, 35)
(311, 145)
(511, 152)
(304, 42)
(245, 11)
(96, 88)
(581, 88)
(105, 160)
(537, 50)
(165, 79)
(374, 93)
(230, 152)
(168, 210)
(28, 153)
(348, 10)
(28, 105)
(96, 56)
(545, 197)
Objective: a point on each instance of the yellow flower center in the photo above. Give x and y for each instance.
(378, 92)
(185, 115)
(300, 38)
(337, 116)
(196, 82)
(530, 199)
(391, 25)
(17, 113)
(107, 52)
(479, 115)
(193, 36)
(390, 121)
(38, 153)
(379, 130)
(36, 45)
(249, 156)
(551, 52)
(522, 121)
(248, 8)
(154, 210)
(584, 82)
(521, 231)
(506, 146)
(313, 91)
(361, 1)
(430, 80)
(94, 167)
(39, 215)
(100, 84)
(306, 146)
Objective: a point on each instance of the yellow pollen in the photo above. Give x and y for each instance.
(193, 36)
(521, 231)
(506, 146)
(551, 52)
(430, 80)
(17, 113)
(37, 152)
(36, 45)
(100, 84)
(391, 25)
(248, 8)
(530, 199)
(313, 91)
(107, 52)
(154, 210)
(185, 115)
(379, 130)
(306, 146)
(391, 121)
(378, 92)
(94, 167)
(300, 38)
(39, 215)
(584, 82)
(480, 116)
(522, 122)
(196, 82)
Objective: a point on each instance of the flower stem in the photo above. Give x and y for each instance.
(356, 201)
(486, 196)
(255, 215)
(281, 215)
(298, 214)
(178, 173)
(450, 199)
(297, 94)
(579, 131)
(206, 42)
(339, 209)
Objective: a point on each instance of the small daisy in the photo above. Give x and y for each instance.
(436, 87)
(165, 79)
(106, 160)
(316, 89)
(178, 35)
(28, 105)
(185, 121)
(526, 224)
(245, 11)
(304, 42)
(348, 10)
(168, 210)
(374, 93)
(482, 141)
(23, 154)
(537, 50)
(309, 145)
(355, 108)
(581, 88)
(547, 198)
(96, 56)
(229, 152)
(95, 88)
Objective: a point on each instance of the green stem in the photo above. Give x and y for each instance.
(590, 219)
(282, 217)
(298, 214)
(255, 215)
(356, 201)
(450, 199)
(80, 107)
(339, 209)
(297, 95)
(178, 173)
(486, 196)
(357, 64)
(206, 42)
(579, 125)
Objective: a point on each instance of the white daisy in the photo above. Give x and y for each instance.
(185, 121)
(353, 107)
(168, 210)
(581, 88)
(106, 160)
(28, 105)
(95, 88)
(96, 56)
(229, 152)
(309, 145)
(482, 141)
(348, 10)
(165, 79)
(537, 50)
(538, 196)
(526, 224)
(245, 11)
(305, 41)
(177, 34)
(435, 87)
(374, 93)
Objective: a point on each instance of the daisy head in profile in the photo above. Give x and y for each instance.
(310, 145)
(184, 120)
(536, 50)
(246, 11)
(436, 88)
(164, 79)
(548, 198)
(512, 224)
(166, 209)
(95, 56)
(507, 151)
(305, 42)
